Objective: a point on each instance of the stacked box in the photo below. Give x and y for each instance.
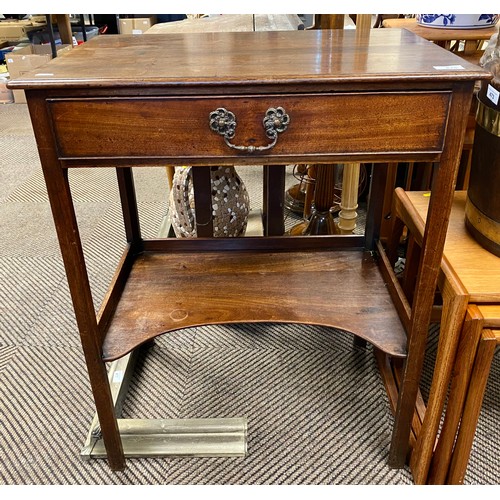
(21, 61)
(15, 30)
(136, 26)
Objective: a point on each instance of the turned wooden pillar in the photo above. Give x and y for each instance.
(349, 198)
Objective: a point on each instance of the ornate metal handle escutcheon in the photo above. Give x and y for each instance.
(223, 122)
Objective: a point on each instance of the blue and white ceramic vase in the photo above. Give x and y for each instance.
(457, 21)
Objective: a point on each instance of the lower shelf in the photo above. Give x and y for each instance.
(170, 291)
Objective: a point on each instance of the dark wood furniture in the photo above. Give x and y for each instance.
(123, 101)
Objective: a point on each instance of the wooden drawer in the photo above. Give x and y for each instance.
(320, 125)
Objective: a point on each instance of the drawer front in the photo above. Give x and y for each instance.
(319, 124)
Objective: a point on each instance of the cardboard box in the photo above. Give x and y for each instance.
(6, 96)
(125, 26)
(5, 48)
(136, 26)
(14, 30)
(39, 18)
(24, 60)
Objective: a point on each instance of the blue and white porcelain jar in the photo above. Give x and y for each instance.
(457, 21)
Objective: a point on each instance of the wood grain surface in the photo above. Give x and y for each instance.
(168, 291)
(319, 125)
(477, 269)
(258, 58)
(341, 289)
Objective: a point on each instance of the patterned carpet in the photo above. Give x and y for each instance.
(316, 407)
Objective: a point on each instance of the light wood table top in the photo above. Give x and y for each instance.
(441, 34)
(477, 269)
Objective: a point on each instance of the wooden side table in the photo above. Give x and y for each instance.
(469, 275)
(469, 384)
(270, 98)
(480, 337)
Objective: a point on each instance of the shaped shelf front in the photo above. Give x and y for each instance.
(169, 291)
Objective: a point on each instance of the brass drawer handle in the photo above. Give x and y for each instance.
(223, 122)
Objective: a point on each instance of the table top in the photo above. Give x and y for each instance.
(491, 315)
(249, 58)
(441, 34)
(477, 269)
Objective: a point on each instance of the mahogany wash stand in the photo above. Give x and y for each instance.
(257, 98)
